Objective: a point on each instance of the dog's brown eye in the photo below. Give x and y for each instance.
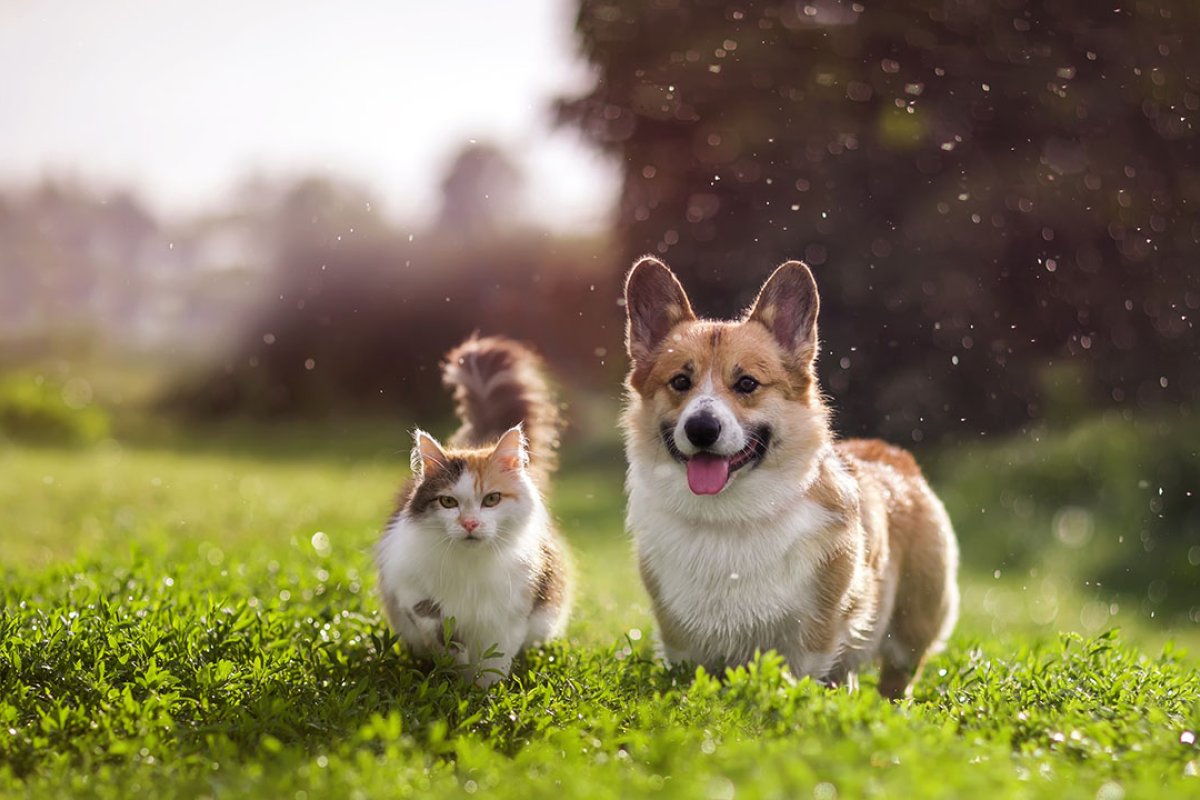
(745, 385)
(680, 383)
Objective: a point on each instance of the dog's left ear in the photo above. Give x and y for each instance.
(787, 305)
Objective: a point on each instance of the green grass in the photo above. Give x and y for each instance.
(172, 625)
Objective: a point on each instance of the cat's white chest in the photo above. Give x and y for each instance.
(483, 602)
(485, 590)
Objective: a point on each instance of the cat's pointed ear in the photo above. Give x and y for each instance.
(787, 305)
(512, 451)
(654, 304)
(427, 454)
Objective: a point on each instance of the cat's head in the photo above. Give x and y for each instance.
(471, 496)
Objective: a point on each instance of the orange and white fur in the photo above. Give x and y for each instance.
(754, 528)
(472, 539)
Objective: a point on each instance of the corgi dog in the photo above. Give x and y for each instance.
(754, 528)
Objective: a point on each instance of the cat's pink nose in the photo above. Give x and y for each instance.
(469, 525)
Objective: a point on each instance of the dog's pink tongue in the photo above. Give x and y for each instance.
(707, 473)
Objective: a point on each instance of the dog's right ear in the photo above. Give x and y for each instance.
(654, 303)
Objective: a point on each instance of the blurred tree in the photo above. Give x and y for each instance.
(480, 192)
(985, 188)
(361, 311)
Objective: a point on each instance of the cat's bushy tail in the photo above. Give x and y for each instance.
(498, 383)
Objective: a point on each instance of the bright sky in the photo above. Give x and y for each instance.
(180, 99)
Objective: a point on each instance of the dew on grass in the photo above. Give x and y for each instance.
(1073, 526)
(77, 394)
(321, 543)
(1093, 616)
(720, 788)
(1187, 737)
(825, 791)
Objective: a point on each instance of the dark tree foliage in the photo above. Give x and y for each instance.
(999, 198)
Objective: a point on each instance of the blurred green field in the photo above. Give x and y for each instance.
(192, 614)
(245, 493)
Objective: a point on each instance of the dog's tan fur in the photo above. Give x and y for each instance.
(877, 568)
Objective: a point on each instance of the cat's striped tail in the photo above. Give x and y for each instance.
(498, 383)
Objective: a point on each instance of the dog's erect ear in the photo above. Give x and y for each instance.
(787, 305)
(654, 303)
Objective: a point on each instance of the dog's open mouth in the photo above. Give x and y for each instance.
(708, 473)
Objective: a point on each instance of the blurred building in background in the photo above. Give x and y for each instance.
(76, 263)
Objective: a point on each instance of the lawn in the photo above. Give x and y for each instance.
(194, 616)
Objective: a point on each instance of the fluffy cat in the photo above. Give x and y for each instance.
(471, 538)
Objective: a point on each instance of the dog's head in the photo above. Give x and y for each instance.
(722, 400)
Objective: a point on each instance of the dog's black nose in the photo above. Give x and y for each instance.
(702, 429)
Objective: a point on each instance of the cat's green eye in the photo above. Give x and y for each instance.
(447, 501)
(491, 499)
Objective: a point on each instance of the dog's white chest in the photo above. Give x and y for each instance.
(730, 589)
